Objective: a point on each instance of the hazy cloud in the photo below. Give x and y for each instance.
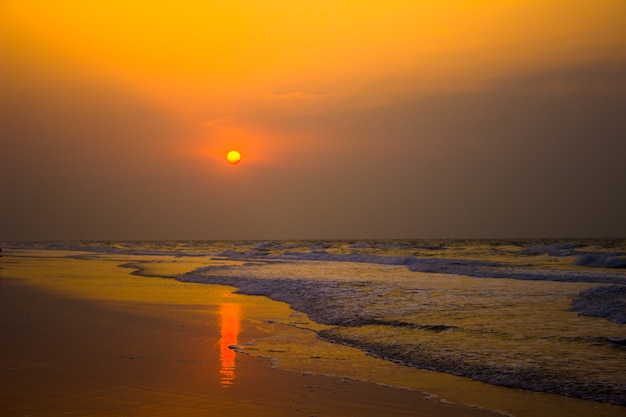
(600, 77)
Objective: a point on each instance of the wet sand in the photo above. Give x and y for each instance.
(80, 335)
(62, 355)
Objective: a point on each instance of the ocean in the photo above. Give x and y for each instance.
(538, 314)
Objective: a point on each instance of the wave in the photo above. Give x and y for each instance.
(607, 302)
(512, 374)
(558, 249)
(473, 268)
(141, 248)
(613, 260)
(595, 261)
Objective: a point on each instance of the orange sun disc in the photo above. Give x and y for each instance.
(233, 157)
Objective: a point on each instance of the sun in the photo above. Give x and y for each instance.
(233, 157)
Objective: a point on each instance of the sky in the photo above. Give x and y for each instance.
(355, 119)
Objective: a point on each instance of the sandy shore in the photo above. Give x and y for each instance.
(80, 335)
(63, 355)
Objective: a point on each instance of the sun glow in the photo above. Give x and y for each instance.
(233, 157)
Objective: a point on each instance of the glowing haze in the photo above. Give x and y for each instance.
(356, 118)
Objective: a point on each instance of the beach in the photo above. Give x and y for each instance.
(63, 355)
(82, 334)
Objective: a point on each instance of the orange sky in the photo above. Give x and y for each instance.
(347, 113)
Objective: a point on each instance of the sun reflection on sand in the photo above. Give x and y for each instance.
(230, 318)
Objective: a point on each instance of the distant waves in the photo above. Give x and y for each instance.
(467, 267)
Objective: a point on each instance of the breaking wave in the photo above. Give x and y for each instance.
(601, 261)
(607, 302)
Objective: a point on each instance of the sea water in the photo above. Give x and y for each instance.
(545, 315)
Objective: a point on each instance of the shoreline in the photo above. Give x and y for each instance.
(187, 354)
(318, 301)
(63, 354)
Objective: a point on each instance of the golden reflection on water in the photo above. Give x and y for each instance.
(230, 325)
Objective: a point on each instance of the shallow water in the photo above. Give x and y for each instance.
(495, 311)
(508, 332)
